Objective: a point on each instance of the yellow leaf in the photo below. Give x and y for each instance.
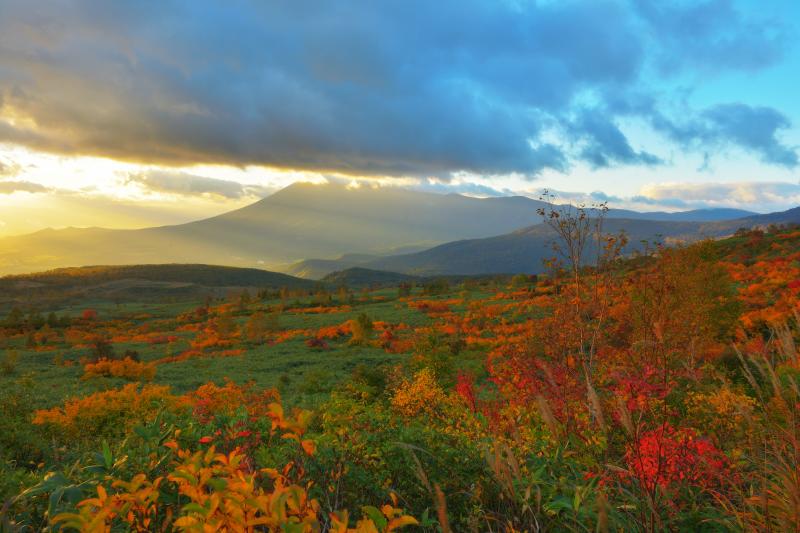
(401, 521)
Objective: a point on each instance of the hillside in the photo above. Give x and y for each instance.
(203, 275)
(399, 376)
(299, 222)
(364, 277)
(525, 249)
(139, 283)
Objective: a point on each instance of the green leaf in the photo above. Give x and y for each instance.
(108, 457)
(195, 508)
(374, 514)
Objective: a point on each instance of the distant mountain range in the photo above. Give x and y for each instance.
(524, 250)
(342, 226)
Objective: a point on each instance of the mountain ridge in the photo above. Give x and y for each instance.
(298, 222)
(523, 250)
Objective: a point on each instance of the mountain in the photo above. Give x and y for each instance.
(203, 275)
(361, 277)
(525, 249)
(696, 215)
(365, 277)
(171, 282)
(319, 268)
(296, 223)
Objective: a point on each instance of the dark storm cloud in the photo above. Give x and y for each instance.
(397, 88)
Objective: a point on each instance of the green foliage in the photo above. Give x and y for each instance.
(8, 364)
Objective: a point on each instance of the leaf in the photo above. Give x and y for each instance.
(402, 521)
(108, 457)
(309, 446)
(185, 475)
(375, 515)
(195, 508)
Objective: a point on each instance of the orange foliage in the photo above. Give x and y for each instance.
(108, 412)
(120, 368)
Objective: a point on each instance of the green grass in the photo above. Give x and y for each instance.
(303, 375)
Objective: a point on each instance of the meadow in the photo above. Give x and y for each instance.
(648, 393)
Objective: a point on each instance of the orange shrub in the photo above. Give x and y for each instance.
(120, 368)
(108, 413)
(211, 400)
(220, 497)
(334, 332)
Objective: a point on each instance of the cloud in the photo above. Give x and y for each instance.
(605, 144)
(711, 35)
(413, 88)
(754, 129)
(190, 185)
(462, 187)
(10, 187)
(763, 196)
(8, 170)
(748, 195)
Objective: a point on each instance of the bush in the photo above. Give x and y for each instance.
(108, 414)
(127, 368)
(9, 362)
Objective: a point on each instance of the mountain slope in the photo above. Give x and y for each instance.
(299, 222)
(203, 275)
(140, 283)
(525, 249)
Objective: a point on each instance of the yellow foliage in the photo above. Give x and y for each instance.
(219, 496)
(723, 412)
(420, 395)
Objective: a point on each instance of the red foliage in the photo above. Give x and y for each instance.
(667, 456)
(641, 387)
(465, 387)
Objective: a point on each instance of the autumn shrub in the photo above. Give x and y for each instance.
(219, 497)
(666, 456)
(365, 451)
(109, 414)
(768, 498)
(361, 329)
(175, 480)
(420, 394)
(126, 368)
(722, 413)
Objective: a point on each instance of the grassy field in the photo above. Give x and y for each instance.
(303, 376)
(656, 393)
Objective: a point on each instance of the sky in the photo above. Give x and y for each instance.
(136, 113)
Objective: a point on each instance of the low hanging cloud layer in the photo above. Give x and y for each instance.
(190, 185)
(748, 195)
(740, 194)
(11, 186)
(412, 88)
